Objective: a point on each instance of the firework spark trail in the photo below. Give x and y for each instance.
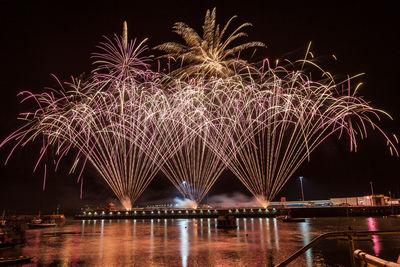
(91, 132)
(210, 54)
(194, 168)
(296, 116)
(105, 121)
(242, 110)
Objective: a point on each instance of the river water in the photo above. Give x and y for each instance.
(198, 242)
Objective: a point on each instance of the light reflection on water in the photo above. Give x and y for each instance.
(305, 231)
(375, 238)
(197, 242)
(275, 230)
(184, 241)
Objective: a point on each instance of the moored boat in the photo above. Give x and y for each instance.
(39, 223)
(11, 235)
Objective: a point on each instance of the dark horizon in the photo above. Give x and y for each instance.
(44, 38)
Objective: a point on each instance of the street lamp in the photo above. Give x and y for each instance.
(372, 192)
(301, 185)
(372, 188)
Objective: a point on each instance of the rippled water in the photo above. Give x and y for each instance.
(197, 242)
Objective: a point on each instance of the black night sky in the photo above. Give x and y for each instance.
(40, 38)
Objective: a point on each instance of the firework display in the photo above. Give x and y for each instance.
(214, 111)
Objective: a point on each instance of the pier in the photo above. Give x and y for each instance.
(296, 212)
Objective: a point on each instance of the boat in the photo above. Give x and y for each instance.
(15, 260)
(6, 243)
(226, 222)
(291, 219)
(11, 234)
(39, 223)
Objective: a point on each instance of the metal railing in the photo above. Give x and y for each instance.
(362, 259)
(351, 235)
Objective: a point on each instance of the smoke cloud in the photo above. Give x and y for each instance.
(185, 203)
(235, 199)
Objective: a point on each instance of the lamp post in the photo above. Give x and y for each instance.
(372, 194)
(301, 185)
(372, 188)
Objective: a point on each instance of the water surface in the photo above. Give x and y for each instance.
(198, 242)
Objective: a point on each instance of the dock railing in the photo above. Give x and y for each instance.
(350, 235)
(362, 259)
